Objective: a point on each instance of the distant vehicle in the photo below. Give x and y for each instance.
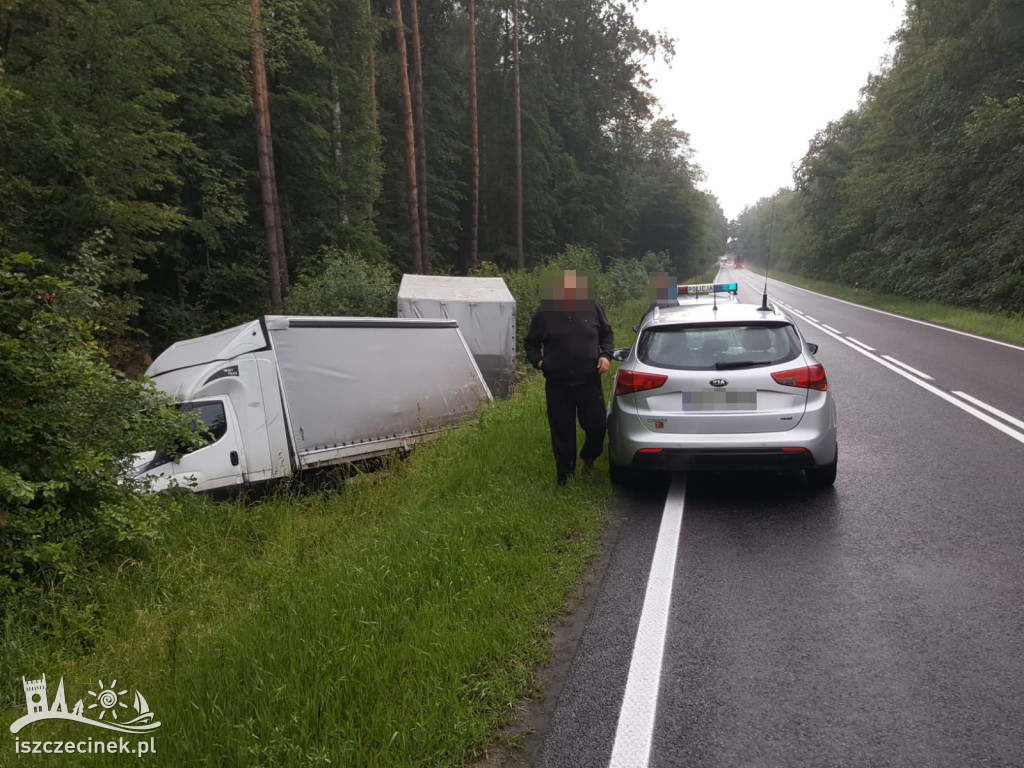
(713, 384)
(282, 394)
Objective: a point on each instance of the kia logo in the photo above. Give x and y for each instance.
(718, 382)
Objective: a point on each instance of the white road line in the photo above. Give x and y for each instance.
(1001, 414)
(635, 731)
(830, 328)
(981, 416)
(916, 372)
(904, 317)
(859, 343)
(812, 319)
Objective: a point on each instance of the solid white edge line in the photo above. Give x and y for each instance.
(830, 328)
(1018, 436)
(859, 343)
(991, 409)
(635, 731)
(903, 365)
(812, 319)
(904, 317)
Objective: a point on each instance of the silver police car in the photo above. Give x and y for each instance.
(713, 384)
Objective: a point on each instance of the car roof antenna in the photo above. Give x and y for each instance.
(768, 260)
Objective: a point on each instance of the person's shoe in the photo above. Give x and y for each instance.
(588, 466)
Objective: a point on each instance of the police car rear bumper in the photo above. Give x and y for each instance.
(676, 459)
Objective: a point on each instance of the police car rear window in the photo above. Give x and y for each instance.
(719, 346)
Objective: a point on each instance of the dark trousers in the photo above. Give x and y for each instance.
(564, 405)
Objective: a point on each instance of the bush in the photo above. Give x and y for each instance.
(71, 425)
(344, 284)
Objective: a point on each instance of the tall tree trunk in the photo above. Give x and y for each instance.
(420, 126)
(372, 65)
(410, 140)
(268, 179)
(474, 227)
(339, 155)
(339, 152)
(520, 258)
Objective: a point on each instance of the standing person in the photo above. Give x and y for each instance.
(571, 342)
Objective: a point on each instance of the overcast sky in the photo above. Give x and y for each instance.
(753, 80)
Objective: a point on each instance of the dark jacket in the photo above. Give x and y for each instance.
(569, 343)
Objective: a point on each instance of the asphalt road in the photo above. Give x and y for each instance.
(879, 623)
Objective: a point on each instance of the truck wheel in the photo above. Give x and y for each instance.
(823, 477)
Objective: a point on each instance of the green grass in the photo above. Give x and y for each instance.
(394, 623)
(993, 325)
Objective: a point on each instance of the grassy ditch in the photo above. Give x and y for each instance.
(993, 325)
(394, 623)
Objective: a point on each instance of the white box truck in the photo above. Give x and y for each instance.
(283, 394)
(486, 313)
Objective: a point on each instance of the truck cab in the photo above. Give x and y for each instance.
(229, 381)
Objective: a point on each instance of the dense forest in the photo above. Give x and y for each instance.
(174, 167)
(132, 149)
(919, 191)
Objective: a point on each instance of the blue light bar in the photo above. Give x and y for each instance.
(696, 290)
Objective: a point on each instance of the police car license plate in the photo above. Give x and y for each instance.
(714, 400)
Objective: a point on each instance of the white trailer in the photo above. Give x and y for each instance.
(485, 310)
(282, 394)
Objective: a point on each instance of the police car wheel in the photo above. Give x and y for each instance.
(823, 477)
(620, 475)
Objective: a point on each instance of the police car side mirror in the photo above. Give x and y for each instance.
(813, 348)
(620, 354)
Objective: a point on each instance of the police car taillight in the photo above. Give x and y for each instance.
(808, 377)
(628, 382)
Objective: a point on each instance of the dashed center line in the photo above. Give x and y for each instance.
(921, 379)
(914, 371)
(858, 343)
(635, 731)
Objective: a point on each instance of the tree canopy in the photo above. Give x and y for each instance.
(129, 125)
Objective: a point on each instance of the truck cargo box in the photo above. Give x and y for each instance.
(349, 383)
(485, 311)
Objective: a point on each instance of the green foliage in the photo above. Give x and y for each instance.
(341, 283)
(71, 424)
(133, 118)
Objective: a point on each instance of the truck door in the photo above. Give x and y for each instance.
(220, 461)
